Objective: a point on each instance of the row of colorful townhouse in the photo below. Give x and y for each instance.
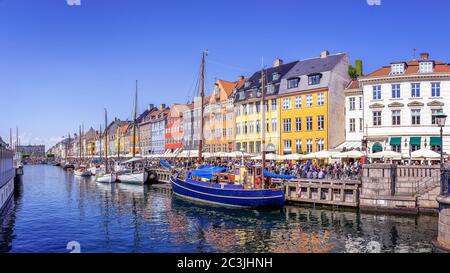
(311, 105)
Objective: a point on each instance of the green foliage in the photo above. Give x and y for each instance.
(352, 72)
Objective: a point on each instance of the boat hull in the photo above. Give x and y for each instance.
(86, 173)
(202, 192)
(133, 178)
(106, 178)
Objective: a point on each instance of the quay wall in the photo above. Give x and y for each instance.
(394, 187)
(7, 174)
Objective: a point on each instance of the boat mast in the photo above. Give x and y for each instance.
(134, 123)
(202, 98)
(80, 145)
(100, 148)
(263, 135)
(106, 141)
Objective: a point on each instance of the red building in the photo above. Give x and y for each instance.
(174, 128)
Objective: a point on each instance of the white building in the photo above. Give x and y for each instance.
(400, 102)
(354, 117)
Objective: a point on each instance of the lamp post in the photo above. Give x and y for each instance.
(440, 121)
(443, 241)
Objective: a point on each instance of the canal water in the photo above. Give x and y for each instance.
(52, 208)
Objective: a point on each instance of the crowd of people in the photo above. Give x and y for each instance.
(307, 169)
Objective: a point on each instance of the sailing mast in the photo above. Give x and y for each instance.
(202, 98)
(80, 145)
(134, 124)
(100, 148)
(106, 141)
(263, 135)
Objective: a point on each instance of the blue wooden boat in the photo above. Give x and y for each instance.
(198, 186)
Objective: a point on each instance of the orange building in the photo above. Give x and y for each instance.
(219, 117)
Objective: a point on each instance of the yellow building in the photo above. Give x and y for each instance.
(219, 117)
(248, 108)
(312, 104)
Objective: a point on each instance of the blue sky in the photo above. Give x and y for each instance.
(60, 65)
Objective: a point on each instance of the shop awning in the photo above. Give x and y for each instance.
(395, 141)
(435, 141)
(377, 147)
(415, 141)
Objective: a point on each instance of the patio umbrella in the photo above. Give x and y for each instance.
(351, 154)
(425, 154)
(320, 155)
(386, 154)
(291, 157)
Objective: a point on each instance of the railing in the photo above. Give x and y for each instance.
(6, 166)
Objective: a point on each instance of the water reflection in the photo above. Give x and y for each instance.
(54, 207)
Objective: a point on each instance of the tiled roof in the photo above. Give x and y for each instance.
(353, 84)
(412, 68)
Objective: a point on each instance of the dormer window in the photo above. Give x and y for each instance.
(247, 84)
(293, 83)
(397, 69)
(270, 89)
(426, 67)
(275, 76)
(314, 79)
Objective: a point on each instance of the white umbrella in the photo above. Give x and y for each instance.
(237, 154)
(135, 159)
(425, 154)
(351, 154)
(268, 157)
(386, 154)
(320, 155)
(291, 157)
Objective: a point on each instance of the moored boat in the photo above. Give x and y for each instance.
(106, 178)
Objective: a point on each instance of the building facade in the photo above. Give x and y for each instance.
(158, 127)
(400, 104)
(145, 135)
(220, 117)
(312, 104)
(36, 151)
(354, 117)
(174, 128)
(248, 114)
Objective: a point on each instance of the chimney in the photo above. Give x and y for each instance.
(241, 77)
(424, 56)
(163, 106)
(324, 54)
(277, 62)
(151, 106)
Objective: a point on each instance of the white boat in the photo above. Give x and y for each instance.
(137, 177)
(106, 178)
(83, 172)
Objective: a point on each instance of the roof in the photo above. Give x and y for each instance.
(248, 89)
(412, 68)
(353, 84)
(227, 86)
(314, 66)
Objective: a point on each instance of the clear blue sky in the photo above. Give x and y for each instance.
(60, 65)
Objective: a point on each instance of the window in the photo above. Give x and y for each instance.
(434, 112)
(396, 91)
(320, 123)
(244, 128)
(319, 145)
(396, 117)
(274, 104)
(376, 118)
(352, 102)
(309, 146)
(258, 126)
(275, 76)
(436, 89)
(309, 100)
(426, 67)
(274, 124)
(397, 69)
(287, 145)
(298, 124)
(320, 99)
(251, 127)
(309, 123)
(258, 107)
(270, 89)
(314, 79)
(361, 124)
(286, 103)
(244, 109)
(376, 92)
(415, 116)
(287, 125)
(293, 83)
(250, 108)
(298, 146)
(360, 103)
(352, 125)
(415, 90)
(298, 102)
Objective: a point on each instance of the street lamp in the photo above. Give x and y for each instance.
(440, 121)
